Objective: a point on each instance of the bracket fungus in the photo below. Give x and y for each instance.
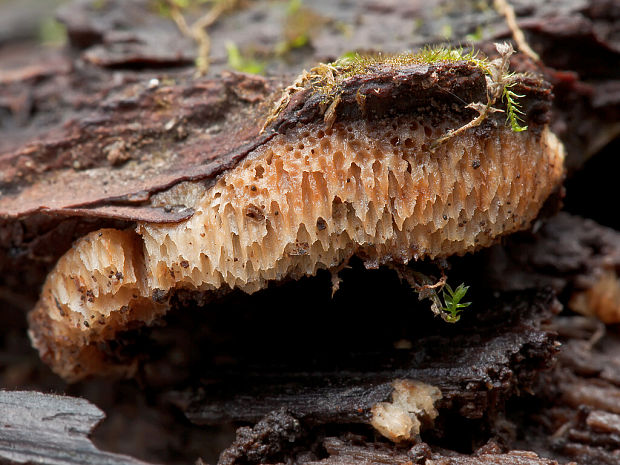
(348, 166)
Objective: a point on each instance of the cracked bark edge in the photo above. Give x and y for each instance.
(38, 428)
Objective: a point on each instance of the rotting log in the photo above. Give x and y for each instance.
(575, 256)
(474, 375)
(572, 414)
(285, 210)
(109, 58)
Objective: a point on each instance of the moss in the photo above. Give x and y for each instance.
(446, 31)
(51, 32)
(475, 36)
(243, 62)
(327, 78)
(513, 111)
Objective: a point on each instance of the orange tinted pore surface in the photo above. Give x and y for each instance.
(307, 200)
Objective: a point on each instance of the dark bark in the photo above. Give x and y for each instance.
(580, 396)
(475, 375)
(266, 440)
(351, 450)
(92, 111)
(344, 453)
(573, 255)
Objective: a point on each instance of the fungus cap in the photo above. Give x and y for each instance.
(332, 180)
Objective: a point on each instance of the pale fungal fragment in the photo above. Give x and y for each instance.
(309, 198)
(412, 406)
(600, 300)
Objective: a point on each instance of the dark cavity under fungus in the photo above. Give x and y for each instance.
(310, 195)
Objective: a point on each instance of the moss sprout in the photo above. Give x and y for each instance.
(452, 306)
(513, 110)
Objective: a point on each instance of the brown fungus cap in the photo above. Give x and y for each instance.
(338, 172)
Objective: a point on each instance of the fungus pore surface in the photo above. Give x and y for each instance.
(310, 198)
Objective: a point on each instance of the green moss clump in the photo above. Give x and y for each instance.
(327, 81)
(326, 78)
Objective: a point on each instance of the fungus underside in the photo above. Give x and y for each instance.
(327, 80)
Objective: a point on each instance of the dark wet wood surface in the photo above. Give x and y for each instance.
(90, 131)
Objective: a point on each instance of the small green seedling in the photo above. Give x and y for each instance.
(452, 306)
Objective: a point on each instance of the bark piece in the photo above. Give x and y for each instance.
(516, 457)
(72, 170)
(265, 441)
(260, 221)
(343, 453)
(39, 428)
(351, 450)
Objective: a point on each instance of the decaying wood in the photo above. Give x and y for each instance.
(269, 438)
(111, 154)
(344, 453)
(410, 101)
(48, 429)
(127, 73)
(581, 395)
(475, 375)
(573, 416)
(352, 450)
(577, 257)
(95, 134)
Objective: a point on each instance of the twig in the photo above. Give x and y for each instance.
(336, 279)
(497, 80)
(284, 100)
(418, 281)
(483, 111)
(198, 30)
(507, 11)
